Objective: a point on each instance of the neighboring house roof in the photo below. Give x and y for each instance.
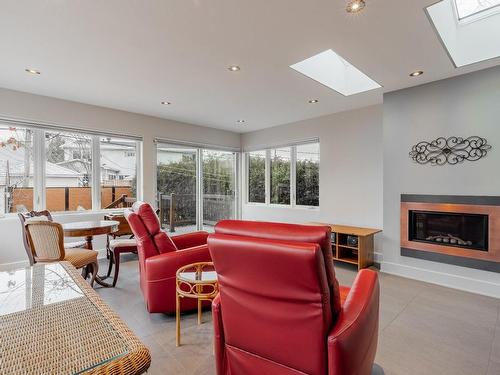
(16, 166)
(83, 166)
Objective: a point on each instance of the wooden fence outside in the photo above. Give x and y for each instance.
(67, 198)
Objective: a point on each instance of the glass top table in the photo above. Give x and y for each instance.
(47, 310)
(196, 280)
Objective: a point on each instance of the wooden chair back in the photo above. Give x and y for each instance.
(46, 241)
(25, 216)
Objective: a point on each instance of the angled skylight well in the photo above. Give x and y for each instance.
(468, 8)
(469, 29)
(333, 71)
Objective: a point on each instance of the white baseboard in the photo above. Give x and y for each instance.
(444, 279)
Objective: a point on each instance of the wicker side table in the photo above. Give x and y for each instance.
(55, 323)
(196, 280)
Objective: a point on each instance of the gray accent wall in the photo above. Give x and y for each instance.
(462, 106)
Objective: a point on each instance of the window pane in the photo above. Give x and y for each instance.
(68, 171)
(257, 177)
(176, 183)
(280, 176)
(118, 171)
(307, 172)
(218, 187)
(16, 169)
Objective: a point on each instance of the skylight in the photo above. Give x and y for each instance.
(466, 8)
(470, 40)
(331, 70)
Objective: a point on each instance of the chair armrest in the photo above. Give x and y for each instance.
(352, 341)
(184, 241)
(164, 266)
(219, 341)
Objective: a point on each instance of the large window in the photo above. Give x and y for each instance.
(256, 176)
(280, 175)
(118, 169)
(61, 170)
(196, 187)
(68, 179)
(16, 169)
(307, 174)
(284, 176)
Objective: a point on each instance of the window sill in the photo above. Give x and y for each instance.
(71, 213)
(272, 205)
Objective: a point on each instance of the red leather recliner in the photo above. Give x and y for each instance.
(160, 256)
(280, 310)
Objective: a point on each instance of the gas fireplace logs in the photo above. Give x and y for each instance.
(449, 239)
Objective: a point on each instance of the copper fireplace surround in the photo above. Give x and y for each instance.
(450, 248)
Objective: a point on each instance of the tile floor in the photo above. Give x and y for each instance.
(424, 329)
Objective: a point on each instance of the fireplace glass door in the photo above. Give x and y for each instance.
(468, 231)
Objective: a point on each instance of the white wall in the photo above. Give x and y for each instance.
(463, 106)
(24, 106)
(350, 168)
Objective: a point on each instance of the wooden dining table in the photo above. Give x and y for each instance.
(89, 229)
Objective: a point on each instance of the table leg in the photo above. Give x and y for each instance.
(98, 279)
(89, 239)
(177, 319)
(199, 311)
(198, 290)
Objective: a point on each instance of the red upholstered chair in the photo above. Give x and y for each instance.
(160, 256)
(280, 310)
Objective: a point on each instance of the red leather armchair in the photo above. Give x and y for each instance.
(160, 256)
(280, 310)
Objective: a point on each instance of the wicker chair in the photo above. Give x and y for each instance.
(46, 242)
(41, 215)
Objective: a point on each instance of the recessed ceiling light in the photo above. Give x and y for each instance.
(240, 121)
(333, 71)
(234, 68)
(416, 73)
(312, 101)
(355, 6)
(32, 71)
(166, 103)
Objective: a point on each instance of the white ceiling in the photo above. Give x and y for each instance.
(132, 54)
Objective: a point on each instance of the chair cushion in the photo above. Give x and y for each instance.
(148, 216)
(80, 257)
(344, 292)
(123, 245)
(146, 227)
(164, 243)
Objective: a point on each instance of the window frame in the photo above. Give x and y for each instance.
(199, 148)
(40, 166)
(293, 177)
(267, 164)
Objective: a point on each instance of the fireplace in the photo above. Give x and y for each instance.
(453, 229)
(468, 231)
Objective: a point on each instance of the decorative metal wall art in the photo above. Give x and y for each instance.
(452, 150)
